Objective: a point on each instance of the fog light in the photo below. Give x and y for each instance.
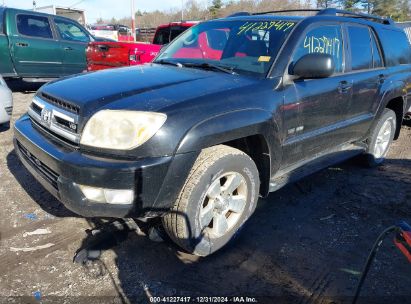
(108, 196)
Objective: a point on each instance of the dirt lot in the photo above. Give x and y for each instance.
(305, 244)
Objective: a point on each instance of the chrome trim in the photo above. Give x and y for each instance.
(38, 102)
(64, 116)
(41, 62)
(52, 124)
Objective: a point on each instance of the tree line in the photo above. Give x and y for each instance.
(399, 10)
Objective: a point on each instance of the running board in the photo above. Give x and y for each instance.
(313, 165)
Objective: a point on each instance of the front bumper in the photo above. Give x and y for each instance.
(60, 169)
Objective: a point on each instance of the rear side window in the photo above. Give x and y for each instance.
(396, 47)
(162, 36)
(175, 32)
(34, 26)
(360, 46)
(325, 40)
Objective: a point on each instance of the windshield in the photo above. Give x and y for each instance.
(245, 47)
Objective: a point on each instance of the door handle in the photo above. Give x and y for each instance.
(344, 87)
(381, 79)
(22, 44)
(68, 48)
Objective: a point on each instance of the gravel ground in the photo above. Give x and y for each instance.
(305, 244)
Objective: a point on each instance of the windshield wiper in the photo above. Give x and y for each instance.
(163, 61)
(210, 66)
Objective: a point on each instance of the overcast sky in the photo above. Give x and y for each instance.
(100, 8)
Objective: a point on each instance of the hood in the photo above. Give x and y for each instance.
(151, 87)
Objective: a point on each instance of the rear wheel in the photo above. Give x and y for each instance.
(219, 195)
(381, 138)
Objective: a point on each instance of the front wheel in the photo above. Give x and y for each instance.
(220, 194)
(381, 138)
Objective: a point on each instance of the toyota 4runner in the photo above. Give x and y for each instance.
(199, 134)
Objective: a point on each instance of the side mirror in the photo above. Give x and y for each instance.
(314, 66)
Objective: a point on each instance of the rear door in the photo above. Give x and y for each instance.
(34, 46)
(367, 73)
(73, 43)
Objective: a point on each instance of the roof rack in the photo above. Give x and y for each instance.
(288, 11)
(335, 12)
(325, 12)
(239, 14)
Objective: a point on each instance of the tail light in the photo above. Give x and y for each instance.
(135, 57)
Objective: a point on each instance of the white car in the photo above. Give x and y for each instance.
(6, 102)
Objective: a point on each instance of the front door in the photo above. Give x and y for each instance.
(74, 40)
(34, 47)
(319, 107)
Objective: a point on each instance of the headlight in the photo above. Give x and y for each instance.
(121, 130)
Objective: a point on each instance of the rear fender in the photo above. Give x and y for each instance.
(394, 90)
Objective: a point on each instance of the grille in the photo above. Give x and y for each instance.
(39, 166)
(9, 110)
(53, 135)
(60, 103)
(55, 121)
(36, 108)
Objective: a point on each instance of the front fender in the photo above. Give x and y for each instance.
(227, 127)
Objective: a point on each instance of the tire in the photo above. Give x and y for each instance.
(381, 138)
(199, 221)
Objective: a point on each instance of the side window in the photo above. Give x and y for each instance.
(396, 47)
(376, 53)
(360, 46)
(324, 40)
(162, 36)
(175, 31)
(70, 31)
(34, 26)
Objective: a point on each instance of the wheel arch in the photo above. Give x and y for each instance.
(397, 105)
(252, 131)
(394, 99)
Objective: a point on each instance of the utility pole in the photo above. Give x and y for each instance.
(133, 20)
(182, 10)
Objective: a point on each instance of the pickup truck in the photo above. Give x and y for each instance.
(107, 55)
(197, 136)
(34, 45)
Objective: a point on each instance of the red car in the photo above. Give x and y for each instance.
(106, 55)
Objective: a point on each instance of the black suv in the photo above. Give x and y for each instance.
(232, 109)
